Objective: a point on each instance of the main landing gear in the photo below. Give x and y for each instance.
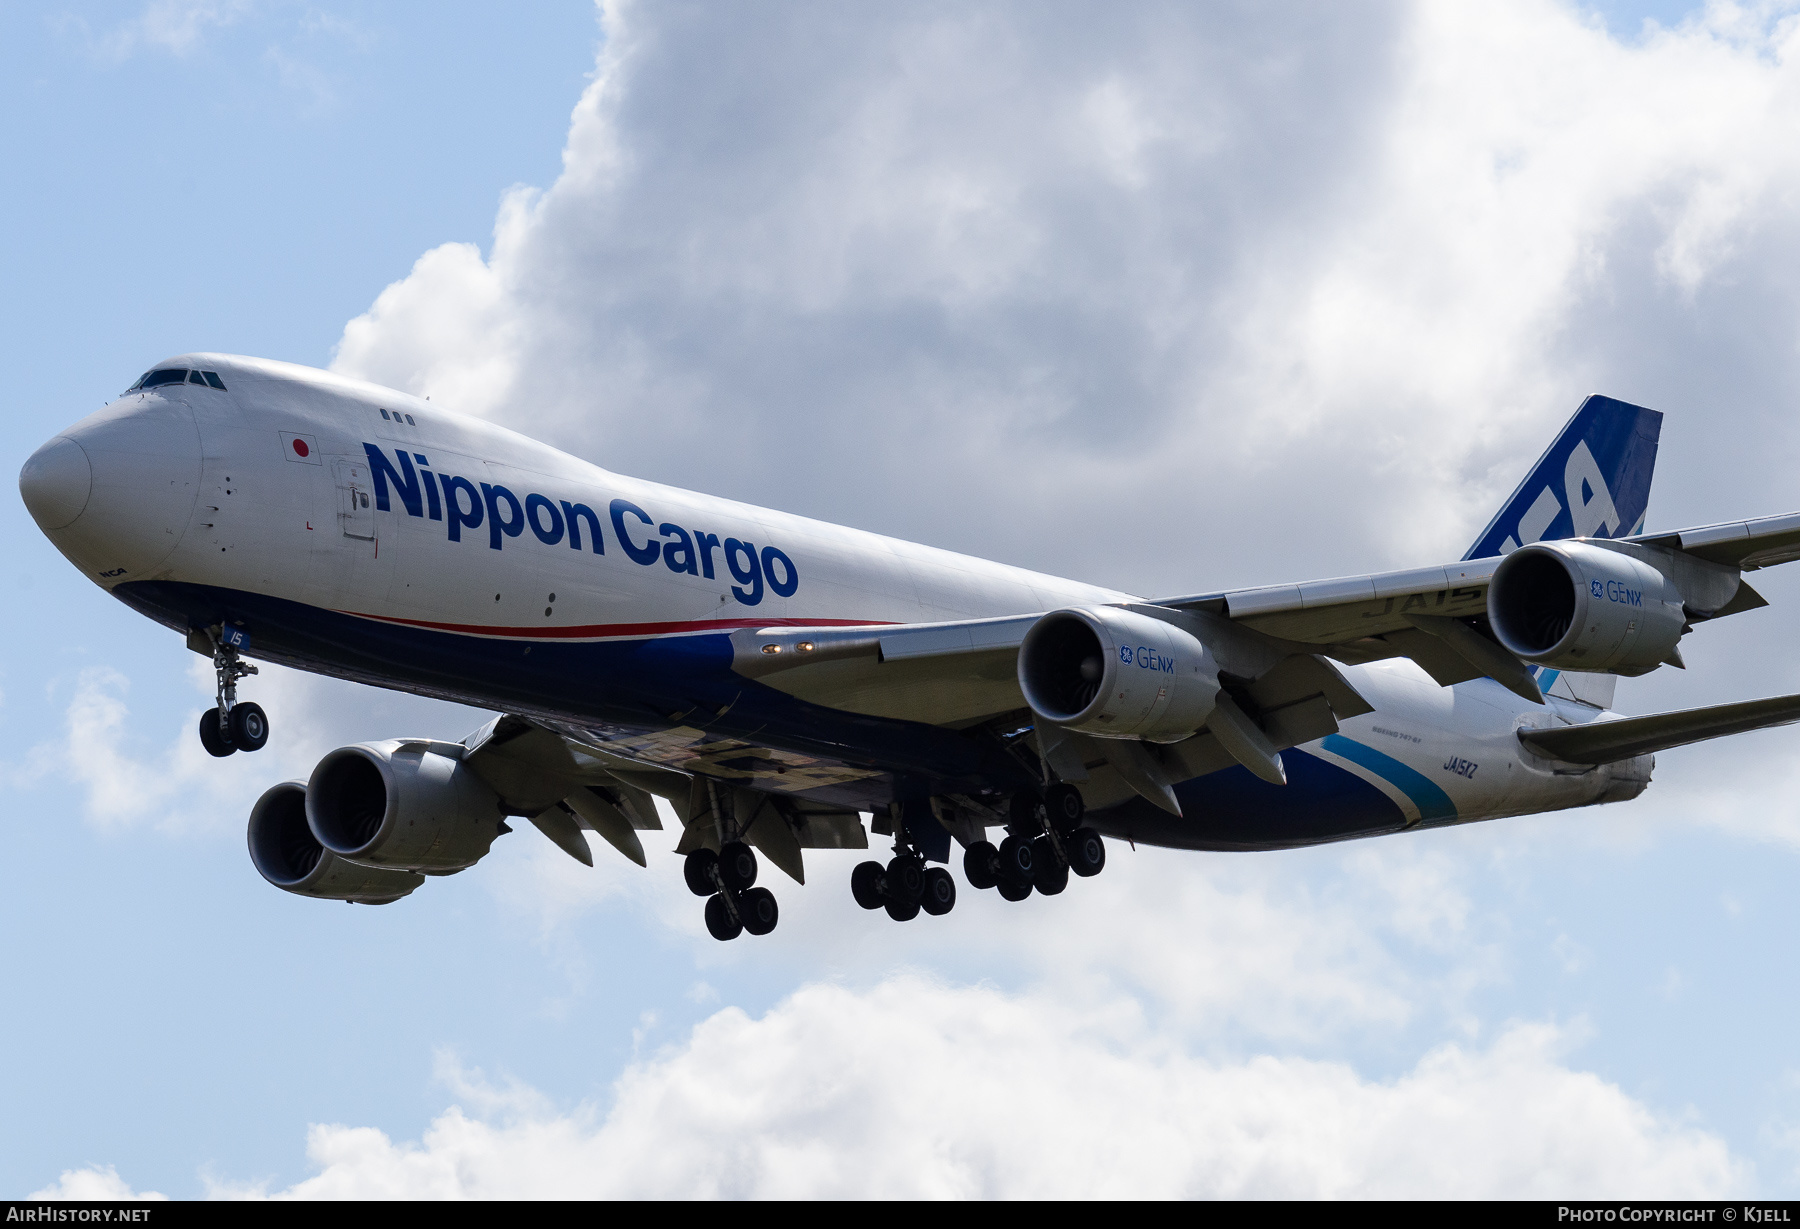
(1045, 841)
(904, 886)
(726, 879)
(231, 726)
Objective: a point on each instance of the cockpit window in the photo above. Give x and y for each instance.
(177, 375)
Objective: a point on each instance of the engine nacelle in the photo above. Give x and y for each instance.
(1574, 606)
(289, 856)
(1117, 674)
(399, 804)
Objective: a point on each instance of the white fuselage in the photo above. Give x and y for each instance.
(266, 498)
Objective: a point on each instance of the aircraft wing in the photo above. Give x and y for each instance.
(963, 673)
(1427, 613)
(565, 786)
(1602, 742)
(1745, 545)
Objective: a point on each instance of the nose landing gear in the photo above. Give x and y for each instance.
(230, 726)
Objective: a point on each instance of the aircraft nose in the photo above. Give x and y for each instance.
(56, 483)
(116, 491)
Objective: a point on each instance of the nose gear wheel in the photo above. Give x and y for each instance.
(229, 726)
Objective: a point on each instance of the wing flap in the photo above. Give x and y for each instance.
(1603, 742)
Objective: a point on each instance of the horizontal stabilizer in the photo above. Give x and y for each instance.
(1602, 742)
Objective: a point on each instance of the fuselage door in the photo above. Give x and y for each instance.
(356, 506)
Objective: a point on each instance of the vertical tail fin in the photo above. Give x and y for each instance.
(1592, 482)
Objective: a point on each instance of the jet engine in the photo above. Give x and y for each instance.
(1117, 674)
(1574, 606)
(289, 856)
(403, 805)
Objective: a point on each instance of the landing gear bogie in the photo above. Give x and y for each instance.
(1046, 842)
(733, 907)
(904, 887)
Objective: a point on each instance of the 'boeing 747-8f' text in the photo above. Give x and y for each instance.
(777, 679)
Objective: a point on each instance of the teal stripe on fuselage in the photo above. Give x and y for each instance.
(1433, 802)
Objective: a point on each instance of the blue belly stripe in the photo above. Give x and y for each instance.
(1433, 803)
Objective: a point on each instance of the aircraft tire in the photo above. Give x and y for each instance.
(940, 892)
(865, 884)
(1051, 879)
(737, 866)
(719, 922)
(1012, 891)
(1064, 806)
(697, 871)
(1017, 859)
(978, 865)
(758, 909)
(1087, 852)
(216, 741)
(1025, 812)
(249, 727)
(903, 911)
(905, 879)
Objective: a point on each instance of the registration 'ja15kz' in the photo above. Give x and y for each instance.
(776, 679)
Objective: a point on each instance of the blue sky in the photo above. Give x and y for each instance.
(870, 240)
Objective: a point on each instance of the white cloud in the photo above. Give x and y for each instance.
(167, 779)
(915, 1089)
(1007, 280)
(93, 1184)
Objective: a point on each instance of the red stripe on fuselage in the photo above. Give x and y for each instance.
(607, 631)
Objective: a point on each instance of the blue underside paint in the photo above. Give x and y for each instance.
(1433, 803)
(618, 689)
